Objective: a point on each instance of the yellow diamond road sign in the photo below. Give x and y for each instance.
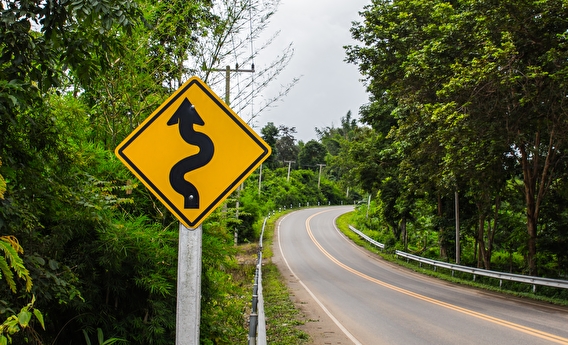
(192, 152)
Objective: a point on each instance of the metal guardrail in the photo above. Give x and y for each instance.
(370, 240)
(558, 283)
(257, 320)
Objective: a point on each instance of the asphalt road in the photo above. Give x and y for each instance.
(371, 301)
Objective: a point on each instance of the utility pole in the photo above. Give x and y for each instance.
(228, 71)
(260, 180)
(319, 175)
(289, 165)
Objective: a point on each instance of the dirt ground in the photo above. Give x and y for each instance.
(317, 323)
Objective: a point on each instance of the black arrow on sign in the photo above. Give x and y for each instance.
(186, 117)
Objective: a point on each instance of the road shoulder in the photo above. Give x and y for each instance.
(319, 326)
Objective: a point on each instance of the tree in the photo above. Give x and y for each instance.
(522, 72)
(45, 39)
(128, 90)
(470, 78)
(338, 142)
(41, 45)
(311, 155)
(330, 136)
(269, 134)
(286, 147)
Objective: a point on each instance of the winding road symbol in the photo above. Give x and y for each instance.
(186, 117)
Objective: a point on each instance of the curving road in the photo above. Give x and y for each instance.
(371, 301)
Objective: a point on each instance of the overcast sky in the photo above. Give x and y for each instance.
(329, 87)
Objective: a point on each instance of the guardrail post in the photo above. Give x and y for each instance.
(252, 328)
(253, 321)
(254, 297)
(257, 316)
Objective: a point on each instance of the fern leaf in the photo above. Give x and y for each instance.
(8, 275)
(11, 248)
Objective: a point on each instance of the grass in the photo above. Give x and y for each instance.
(282, 316)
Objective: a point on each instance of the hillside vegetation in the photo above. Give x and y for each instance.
(465, 125)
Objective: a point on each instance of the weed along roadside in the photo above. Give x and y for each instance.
(284, 320)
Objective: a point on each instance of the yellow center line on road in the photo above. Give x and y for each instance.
(517, 327)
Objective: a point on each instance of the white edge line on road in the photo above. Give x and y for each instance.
(343, 329)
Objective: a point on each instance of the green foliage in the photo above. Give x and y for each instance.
(223, 298)
(10, 260)
(21, 321)
(311, 155)
(43, 149)
(286, 148)
(77, 35)
(134, 267)
(270, 135)
(100, 338)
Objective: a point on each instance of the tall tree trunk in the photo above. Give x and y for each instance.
(530, 186)
(482, 259)
(457, 211)
(535, 190)
(441, 235)
(396, 230)
(510, 261)
(403, 233)
(475, 249)
(489, 247)
(491, 230)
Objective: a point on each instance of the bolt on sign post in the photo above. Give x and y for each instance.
(192, 153)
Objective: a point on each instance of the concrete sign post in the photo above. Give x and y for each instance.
(188, 311)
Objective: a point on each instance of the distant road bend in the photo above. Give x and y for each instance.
(375, 302)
